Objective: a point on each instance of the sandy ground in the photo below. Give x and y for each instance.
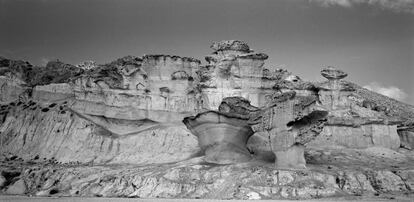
(86, 199)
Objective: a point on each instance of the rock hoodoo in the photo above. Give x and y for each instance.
(289, 122)
(233, 70)
(221, 136)
(334, 91)
(350, 124)
(333, 74)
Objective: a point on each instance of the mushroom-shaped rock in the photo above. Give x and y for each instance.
(334, 76)
(331, 73)
(221, 136)
(234, 45)
(334, 92)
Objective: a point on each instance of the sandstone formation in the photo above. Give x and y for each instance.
(333, 174)
(350, 123)
(155, 87)
(17, 188)
(290, 122)
(221, 136)
(116, 130)
(31, 129)
(233, 70)
(70, 122)
(87, 65)
(406, 138)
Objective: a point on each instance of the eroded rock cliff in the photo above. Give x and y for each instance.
(116, 130)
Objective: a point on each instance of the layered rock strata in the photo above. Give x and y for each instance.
(350, 124)
(54, 131)
(233, 70)
(221, 136)
(346, 174)
(289, 123)
(130, 111)
(406, 138)
(155, 87)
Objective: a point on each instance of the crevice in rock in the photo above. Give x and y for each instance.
(373, 181)
(402, 179)
(10, 176)
(340, 181)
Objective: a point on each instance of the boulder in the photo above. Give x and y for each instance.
(2, 180)
(331, 73)
(17, 188)
(235, 45)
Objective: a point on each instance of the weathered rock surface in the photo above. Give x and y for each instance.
(331, 173)
(17, 188)
(55, 131)
(155, 87)
(290, 122)
(116, 130)
(87, 65)
(221, 136)
(406, 138)
(2, 181)
(349, 123)
(233, 70)
(331, 73)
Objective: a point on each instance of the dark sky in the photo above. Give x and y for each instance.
(374, 43)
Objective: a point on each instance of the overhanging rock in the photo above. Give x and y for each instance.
(221, 136)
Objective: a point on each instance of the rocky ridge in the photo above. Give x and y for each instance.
(126, 117)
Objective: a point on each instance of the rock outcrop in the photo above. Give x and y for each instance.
(332, 174)
(155, 87)
(350, 124)
(233, 70)
(87, 65)
(289, 122)
(221, 136)
(406, 138)
(55, 131)
(116, 130)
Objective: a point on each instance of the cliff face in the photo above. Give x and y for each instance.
(99, 116)
(235, 70)
(134, 94)
(155, 87)
(55, 131)
(130, 111)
